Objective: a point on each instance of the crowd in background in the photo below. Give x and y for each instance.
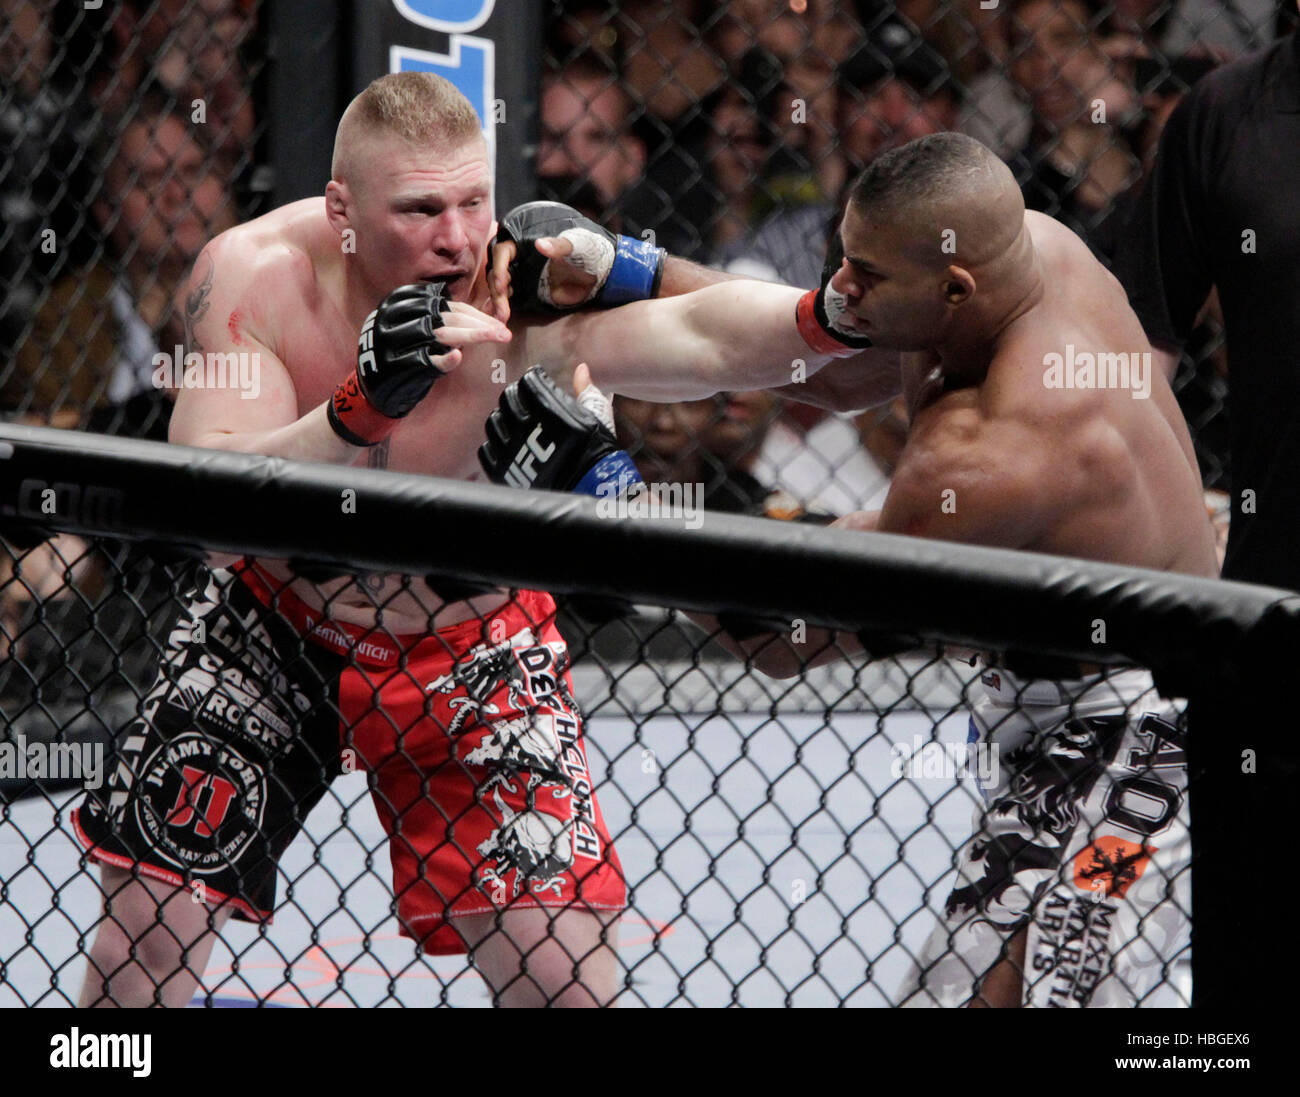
(128, 139)
(730, 132)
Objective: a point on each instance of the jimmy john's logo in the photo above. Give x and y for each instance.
(201, 802)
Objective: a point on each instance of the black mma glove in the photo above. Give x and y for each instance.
(626, 269)
(540, 437)
(821, 311)
(395, 367)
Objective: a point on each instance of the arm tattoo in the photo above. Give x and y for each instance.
(197, 305)
(377, 458)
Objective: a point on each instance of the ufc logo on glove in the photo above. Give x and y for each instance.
(521, 472)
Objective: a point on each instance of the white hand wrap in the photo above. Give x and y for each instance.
(591, 253)
(600, 405)
(836, 305)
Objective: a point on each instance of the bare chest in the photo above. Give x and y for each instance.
(441, 436)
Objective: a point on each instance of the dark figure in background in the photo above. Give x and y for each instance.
(589, 157)
(39, 138)
(714, 442)
(1220, 211)
(89, 348)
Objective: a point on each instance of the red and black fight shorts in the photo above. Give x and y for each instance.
(470, 736)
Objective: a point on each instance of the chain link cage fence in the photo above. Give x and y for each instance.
(780, 840)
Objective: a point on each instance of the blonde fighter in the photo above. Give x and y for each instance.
(369, 314)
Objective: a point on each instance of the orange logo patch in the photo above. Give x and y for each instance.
(1111, 865)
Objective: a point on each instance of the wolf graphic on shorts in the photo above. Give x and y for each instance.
(1082, 841)
(471, 738)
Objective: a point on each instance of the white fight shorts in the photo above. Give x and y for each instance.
(1082, 841)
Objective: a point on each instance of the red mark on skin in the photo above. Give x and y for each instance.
(232, 325)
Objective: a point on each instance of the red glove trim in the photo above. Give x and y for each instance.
(816, 336)
(355, 419)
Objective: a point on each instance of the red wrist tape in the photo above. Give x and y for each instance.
(816, 336)
(355, 419)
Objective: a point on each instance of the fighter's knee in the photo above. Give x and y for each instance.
(115, 975)
(536, 960)
(150, 928)
(777, 660)
(117, 947)
(153, 967)
(555, 986)
(587, 991)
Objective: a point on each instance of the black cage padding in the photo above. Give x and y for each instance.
(220, 501)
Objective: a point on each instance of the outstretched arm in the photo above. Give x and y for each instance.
(734, 336)
(568, 261)
(867, 380)
(683, 276)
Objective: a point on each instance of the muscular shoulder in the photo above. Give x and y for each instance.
(966, 476)
(1059, 247)
(1071, 443)
(1070, 266)
(256, 267)
(1031, 383)
(1004, 470)
(280, 249)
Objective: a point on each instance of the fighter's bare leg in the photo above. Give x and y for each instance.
(1003, 986)
(536, 957)
(151, 946)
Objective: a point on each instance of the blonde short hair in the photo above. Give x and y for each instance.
(420, 107)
